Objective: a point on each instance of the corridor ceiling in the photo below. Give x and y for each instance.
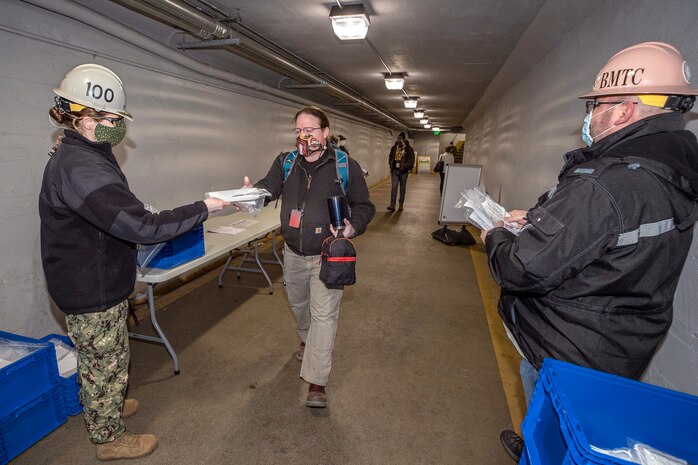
(450, 50)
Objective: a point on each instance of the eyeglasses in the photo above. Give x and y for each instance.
(112, 120)
(297, 131)
(591, 104)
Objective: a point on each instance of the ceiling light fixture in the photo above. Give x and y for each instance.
(419, 113)
(427, 126)
(349, 22)
(424, 121)
(394, 81)
(436, 129)
(411, 102)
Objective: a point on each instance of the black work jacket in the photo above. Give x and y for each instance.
(591, 278)
(90, 223)
(307, 188)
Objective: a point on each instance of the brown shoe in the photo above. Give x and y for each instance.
(300, 351)
(131, 406)
(400, 208)
(391, 208)
(316, 396)
(127, 446)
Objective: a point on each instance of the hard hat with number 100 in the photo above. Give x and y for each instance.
(94, 86)
(646, 68)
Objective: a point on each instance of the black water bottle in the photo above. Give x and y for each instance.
(338, 211)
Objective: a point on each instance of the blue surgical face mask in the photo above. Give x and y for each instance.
(586, 136)
(586, 127)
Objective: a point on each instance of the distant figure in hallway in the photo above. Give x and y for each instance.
(334, 141)
(304, 179)
(591, 278)
(401, 162)
(447, 158)
(343, 144)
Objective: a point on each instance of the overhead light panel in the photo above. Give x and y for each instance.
(427, 126)
(436, 129)
(394, 81)
(411, 102)
(419, 113)
(424, 121)
(350, 22)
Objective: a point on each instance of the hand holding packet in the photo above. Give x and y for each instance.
(250, 200)
(484, 212)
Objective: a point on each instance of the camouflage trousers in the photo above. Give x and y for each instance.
(101, 339)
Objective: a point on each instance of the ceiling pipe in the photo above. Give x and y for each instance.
(105, 24)
(255, 42)
(191, 15)
(161, 15)
(200, 21)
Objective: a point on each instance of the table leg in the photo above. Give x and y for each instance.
(162, 339)
(259, 264)
(224, 269)
(273, 248)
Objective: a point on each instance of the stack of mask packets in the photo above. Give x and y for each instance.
(484, 212)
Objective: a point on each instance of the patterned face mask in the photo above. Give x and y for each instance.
(308, 145)
(113, 135)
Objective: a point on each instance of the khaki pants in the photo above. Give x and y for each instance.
(101, 339)
(316, 309)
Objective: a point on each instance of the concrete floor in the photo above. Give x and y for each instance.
(414, 381)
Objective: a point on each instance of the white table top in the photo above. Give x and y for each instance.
(217, 244)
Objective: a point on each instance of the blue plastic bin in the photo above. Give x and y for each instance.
(28, 378)
(26, 425)
(181, 249)
(574, 407)
(524, 459)
(69, 385)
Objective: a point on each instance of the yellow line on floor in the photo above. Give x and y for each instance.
(507, 358)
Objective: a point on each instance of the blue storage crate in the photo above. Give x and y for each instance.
(542, 431)
(574, 407)
(69, 385)
(181, 249)
(23, 427)
(26, 379)
(524, 459)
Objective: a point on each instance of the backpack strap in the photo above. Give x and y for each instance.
(342, 165)
(288, 163)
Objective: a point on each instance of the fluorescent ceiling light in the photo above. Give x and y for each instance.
(411, 102)
(350, 22)
(436, 129)
(394, 81)
(427, 126)
(424, 121)
(419, 113)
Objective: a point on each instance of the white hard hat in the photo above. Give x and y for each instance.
(94, 86)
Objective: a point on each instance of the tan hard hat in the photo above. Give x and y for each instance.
(646, 68)
(94, 86)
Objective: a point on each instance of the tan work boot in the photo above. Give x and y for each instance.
(131, 406)
(127, 446)
(317, 398)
